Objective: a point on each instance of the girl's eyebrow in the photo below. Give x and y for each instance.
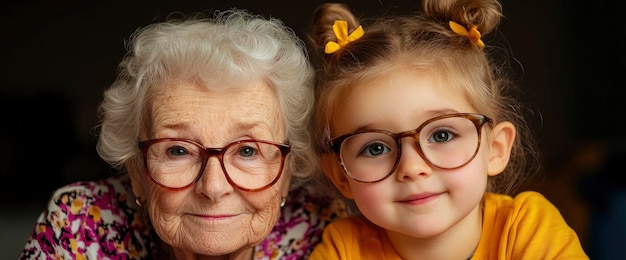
(439, 112)
(428, 114)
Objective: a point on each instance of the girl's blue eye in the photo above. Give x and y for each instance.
(441, 137)
(374, 149)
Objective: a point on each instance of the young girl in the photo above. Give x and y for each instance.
(416, 124)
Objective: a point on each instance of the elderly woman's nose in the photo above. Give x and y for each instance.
(213, 182)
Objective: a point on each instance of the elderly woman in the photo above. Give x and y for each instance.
(207, 120)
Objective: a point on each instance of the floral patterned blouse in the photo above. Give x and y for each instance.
(100, 220)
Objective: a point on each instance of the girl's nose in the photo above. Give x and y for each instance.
(412, 163)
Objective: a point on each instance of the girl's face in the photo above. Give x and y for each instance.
(417, 200)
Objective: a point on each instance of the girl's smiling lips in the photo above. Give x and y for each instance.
(421, 198)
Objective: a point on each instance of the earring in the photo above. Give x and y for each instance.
(282, 202)
(138, 202)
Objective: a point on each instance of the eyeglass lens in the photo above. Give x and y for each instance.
(248, 164)
(446, 143)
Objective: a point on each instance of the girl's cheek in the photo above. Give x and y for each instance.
(369, 194)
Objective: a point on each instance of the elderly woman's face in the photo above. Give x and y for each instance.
(212, 216)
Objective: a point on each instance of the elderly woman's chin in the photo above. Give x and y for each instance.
(222, 237)
(233, 225)
(216, 236)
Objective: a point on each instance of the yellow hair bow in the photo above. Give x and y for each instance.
(473, 34)
(341, 32)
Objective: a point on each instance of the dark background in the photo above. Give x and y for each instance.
(57, 57)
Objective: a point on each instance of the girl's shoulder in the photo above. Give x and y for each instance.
(520, 201)
(300, 226)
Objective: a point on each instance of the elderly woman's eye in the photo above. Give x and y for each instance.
(247, 151)
(177, 151)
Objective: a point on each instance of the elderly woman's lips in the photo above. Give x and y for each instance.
(216, 216)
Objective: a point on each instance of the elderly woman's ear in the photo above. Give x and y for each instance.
(135, 169)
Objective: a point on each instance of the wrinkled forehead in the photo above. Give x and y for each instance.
(230, 107)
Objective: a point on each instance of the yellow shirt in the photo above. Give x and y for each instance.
(525, 227)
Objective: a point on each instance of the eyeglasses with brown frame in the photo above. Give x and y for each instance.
(447, 142)
(249, 165)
